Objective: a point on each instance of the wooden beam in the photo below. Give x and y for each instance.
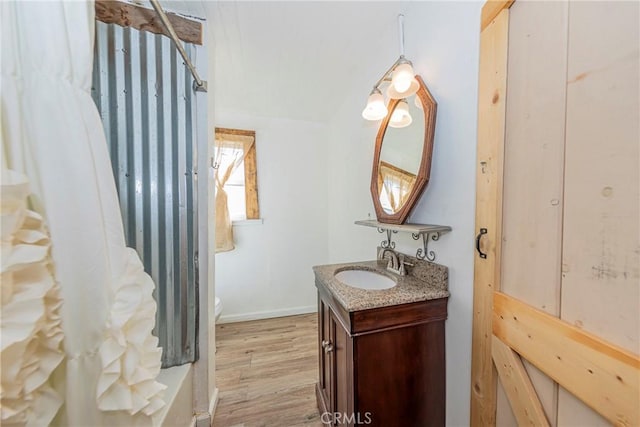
(522, 396)
(602, 375)
(491, 132)
(491, 9)
(143, 19)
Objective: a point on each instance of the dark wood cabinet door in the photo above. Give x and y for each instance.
(401, 376)
(325, 383)
(342, 357)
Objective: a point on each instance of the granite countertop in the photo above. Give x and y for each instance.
(425, 281)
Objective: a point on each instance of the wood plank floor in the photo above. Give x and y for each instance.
(266, 372)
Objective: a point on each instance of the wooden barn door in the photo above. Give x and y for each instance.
(556, 293)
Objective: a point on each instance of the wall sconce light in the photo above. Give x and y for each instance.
(400, 117)
(402, 84)
(375, 109)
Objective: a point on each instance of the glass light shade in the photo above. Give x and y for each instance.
(394, 94)
(402, 76)
(375, 109)
(400, 117)
(418, 102)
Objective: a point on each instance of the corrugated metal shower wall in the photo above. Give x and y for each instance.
(143, 92)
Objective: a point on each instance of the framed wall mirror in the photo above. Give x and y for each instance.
(402, 158)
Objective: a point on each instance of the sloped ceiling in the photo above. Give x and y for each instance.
(295, 59)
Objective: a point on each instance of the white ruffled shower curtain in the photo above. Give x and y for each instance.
(30, 315)
(52, 135)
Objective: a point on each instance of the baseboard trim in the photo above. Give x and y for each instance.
(258, 315)
(213, 404)
(206, 419)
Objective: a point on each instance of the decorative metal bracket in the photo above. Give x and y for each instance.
(424, 252)
(427, 231)
(388, 243)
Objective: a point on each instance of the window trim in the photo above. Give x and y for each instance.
(252, 207)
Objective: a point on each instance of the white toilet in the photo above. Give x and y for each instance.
(218, 309)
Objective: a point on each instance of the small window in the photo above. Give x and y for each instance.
(236, 170)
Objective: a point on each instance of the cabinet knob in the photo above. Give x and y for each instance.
(326, 345)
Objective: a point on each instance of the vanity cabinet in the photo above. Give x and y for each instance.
(383, 366)
(335, 349)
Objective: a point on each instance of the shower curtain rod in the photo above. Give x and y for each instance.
(199, 85)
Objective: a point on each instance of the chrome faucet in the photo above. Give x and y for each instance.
(393, 258)
(396, 262)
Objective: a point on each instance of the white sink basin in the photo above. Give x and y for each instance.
(365, 279)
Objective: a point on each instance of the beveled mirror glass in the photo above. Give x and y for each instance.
(402, 159)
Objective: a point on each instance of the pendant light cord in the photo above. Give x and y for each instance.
(401, 58)
(401, 33)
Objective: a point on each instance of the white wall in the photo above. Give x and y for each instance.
(309, 206)
(269, 273)
(442, 40)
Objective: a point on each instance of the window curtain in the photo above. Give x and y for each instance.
(230, 153)
(396, 184)
(52, 134)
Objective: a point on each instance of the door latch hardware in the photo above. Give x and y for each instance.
(478, 237)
